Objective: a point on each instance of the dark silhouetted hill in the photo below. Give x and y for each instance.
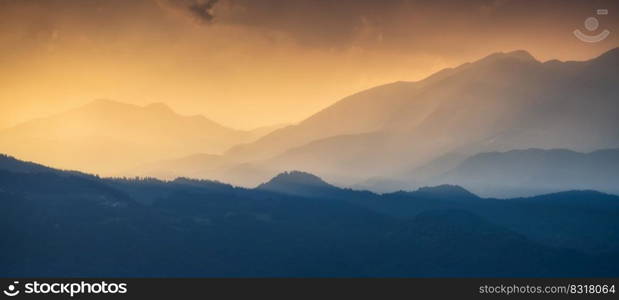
(297, 183)
(58, 224)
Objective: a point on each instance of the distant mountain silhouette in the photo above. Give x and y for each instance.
(514, 173)
(502, 102)
(106, 136)
(115, 227)
(415, 177)
(535, 171)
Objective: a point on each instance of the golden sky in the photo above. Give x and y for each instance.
(249, 63)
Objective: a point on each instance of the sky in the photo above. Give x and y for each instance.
(252, 63)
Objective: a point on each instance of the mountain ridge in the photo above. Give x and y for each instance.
(501, 102)
(508, 174)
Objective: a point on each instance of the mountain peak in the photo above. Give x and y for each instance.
(159, 107)
(521, 54)
(113, 104)
(518, 55)
(297, 183)
(297, 178)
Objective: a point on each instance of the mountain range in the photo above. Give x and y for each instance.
(109, 137)
(401, 135)
(294, 225)
(503, 102)
(512, 173)
(535, 171)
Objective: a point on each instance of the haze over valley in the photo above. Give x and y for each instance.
(502, 102)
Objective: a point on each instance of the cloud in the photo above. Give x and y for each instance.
(366, 23)
(199, 10)
(202, 9)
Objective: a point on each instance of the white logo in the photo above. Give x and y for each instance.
(12, 289)
(592, 24)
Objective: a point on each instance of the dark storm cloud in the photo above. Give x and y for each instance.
(310, 22)
(199, 10)
(202, 9)
(343, 23)
(441, 27)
